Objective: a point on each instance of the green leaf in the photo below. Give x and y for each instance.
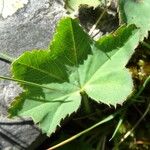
(66, 49)
(55, 103)
(53, 79)
(136, 12)
(73, 5)
(104, 76)
(54, 98)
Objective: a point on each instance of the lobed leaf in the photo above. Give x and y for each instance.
(73, 64)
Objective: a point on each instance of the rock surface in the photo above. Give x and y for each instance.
(31, 27)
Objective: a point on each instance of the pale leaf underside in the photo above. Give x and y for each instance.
(73, 64)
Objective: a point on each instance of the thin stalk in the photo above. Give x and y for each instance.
(110, 117)
(138, 122)
(86, 103)
(145, 113)
(99, 19)
(101, 143)
(142, 87)
(6, 58)
(104, 143)
(117, 128)
(139, 92)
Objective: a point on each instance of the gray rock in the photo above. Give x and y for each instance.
(31, 27)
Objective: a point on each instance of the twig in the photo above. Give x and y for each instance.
(138, 122)
(6, 58)
(100, 17)
(83, 132)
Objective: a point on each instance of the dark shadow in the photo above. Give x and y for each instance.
(5, 60)
(21, 122)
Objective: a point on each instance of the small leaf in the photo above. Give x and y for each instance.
(136, 12)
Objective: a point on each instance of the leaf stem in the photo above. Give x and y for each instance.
(6, 58)
(86, 103)
(118, 126)
(110, 117)
(142, 87)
